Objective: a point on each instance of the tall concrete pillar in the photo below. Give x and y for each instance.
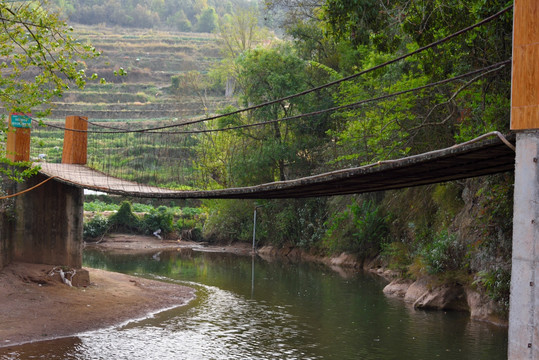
(49, 223)
(524, 302)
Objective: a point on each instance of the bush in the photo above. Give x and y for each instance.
(190, 224)
(360, 229)
(95, 228)
(161, 218)
(444, 253)
(229, 220)
(125, 220)
(497, 284)
(186, 224)
(191, 212)
(398, 256)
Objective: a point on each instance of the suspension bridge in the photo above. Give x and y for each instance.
(481, 156)
(50, 222)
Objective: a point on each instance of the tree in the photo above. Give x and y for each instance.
(39, 58)
(180, 21)
(289, 12)
(240, 32)
(207, 21)
(354, 18)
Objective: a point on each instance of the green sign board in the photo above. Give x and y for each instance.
(21, 121)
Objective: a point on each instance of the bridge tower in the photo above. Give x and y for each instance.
(49, 219)
(524, 302)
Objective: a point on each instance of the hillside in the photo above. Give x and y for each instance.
(150, 58)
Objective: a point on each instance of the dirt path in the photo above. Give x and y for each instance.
(35, 306)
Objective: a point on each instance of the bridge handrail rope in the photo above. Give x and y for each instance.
(267, 190)
(347, 78)
(29, 189)
(422, 155)
(488, 69)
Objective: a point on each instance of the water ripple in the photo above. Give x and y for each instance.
(220, 325)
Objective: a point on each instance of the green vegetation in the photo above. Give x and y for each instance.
(40, 60)
(138, 218)
(459, 230)
(359, 229)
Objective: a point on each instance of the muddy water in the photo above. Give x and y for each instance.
(253, 309)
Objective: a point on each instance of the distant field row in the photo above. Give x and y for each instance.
(85, 31)
(113, 97)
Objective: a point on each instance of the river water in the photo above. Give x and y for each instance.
(249, 308)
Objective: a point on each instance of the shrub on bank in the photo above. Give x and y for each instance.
(95, 228)
(360, 229)
(124, 220)
(444, 253)
(162, 218)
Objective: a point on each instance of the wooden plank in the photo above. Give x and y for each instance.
(525, 78)
(525, 14)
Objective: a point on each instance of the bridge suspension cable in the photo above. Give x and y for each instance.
(314, 89)
(488, 69)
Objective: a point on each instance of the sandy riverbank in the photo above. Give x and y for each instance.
(35, 306)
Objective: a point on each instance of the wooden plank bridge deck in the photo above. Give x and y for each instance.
(466, 160)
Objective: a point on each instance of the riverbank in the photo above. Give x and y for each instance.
(133, 244)
(35, 306)
(424, 293)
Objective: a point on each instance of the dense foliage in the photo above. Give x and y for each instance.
(431, 230)
(163, 222)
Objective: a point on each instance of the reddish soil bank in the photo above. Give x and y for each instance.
(36, 306)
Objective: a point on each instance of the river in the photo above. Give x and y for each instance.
(249, 308)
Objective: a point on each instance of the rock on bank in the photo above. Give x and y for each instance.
(425, 293)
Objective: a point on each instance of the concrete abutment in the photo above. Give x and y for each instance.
(48, 224)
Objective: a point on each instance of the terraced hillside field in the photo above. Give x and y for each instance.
(150, 58)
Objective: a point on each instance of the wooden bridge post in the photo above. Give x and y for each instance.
(524, 301)
(18, 138)
(75, 142)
